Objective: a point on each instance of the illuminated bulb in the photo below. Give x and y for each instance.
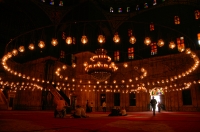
(160, 43)
(14, 52)
(73, 65)
(31, 46)
(64, 67)
(125, 65)
(172, 45)
(21, 49)
(116, 38)
(132, 40)
(101, 39)
(54, 41)
(68, 40)
(147, 41)
(41, 44)
(84, 39)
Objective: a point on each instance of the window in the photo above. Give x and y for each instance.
(61, 3)
(116, 99)
(116, 55)
(119, 10)
(186, 95)
(51, 2)
(62, 54)
(137, 8)
(128, 9)
(102, 98)
(145, 5)
(154, 2)
(131, 53)
(176, 20)
(111, 9)
(132, 99)
(153, 49)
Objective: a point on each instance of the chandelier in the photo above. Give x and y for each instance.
(100, 66)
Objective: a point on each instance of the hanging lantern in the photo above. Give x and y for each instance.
(161, 43)
(101, 39)
(197, 14)
(125, 65)
(176, 20)
(116, 38)
(14, 52)
(54, 41)
(172, 45)
(68, 40)
(64, 67)
(21, 49)
(198, 37)
(31, 46)
(132, 40)
(84, 39)
(151, 26)
(147, 41)
(41, 44)
(73, 65)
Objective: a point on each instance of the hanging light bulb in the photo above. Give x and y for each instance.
(147, 41)
(84, 39)
(54, 41)
(116, 38)
(132, 40)
(14, 52)
(64, 67)
(172, 45)
(161, 43)
(68, 40)
(21, 49)
(73, 65)
(31, 46)
(41, 44)
(101, 39)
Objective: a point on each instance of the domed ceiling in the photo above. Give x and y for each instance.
(28, 21)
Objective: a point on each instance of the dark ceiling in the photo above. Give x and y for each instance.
(25, 21)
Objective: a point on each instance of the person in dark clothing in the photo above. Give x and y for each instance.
(153, 103)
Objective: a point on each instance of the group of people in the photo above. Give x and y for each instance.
(80, 112)
(118, 112)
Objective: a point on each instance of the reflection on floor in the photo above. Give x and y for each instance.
(100, 122)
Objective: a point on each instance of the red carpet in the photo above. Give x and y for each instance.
(43, 121)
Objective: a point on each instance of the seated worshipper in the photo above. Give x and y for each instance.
(114, 112)
(60, 108)
(83, 114)
(123, 112)
(77, 112)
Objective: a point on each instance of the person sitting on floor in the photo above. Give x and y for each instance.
(77, 112)
(83, 114)
(123, 112)
(114, 112)
(60, 107)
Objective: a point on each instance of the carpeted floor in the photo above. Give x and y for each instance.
(43, 121)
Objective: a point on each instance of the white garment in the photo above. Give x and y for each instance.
(123, 112)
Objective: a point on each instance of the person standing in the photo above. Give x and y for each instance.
(91, 106)
(153, 103)
(159, 106)
(104, 106)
